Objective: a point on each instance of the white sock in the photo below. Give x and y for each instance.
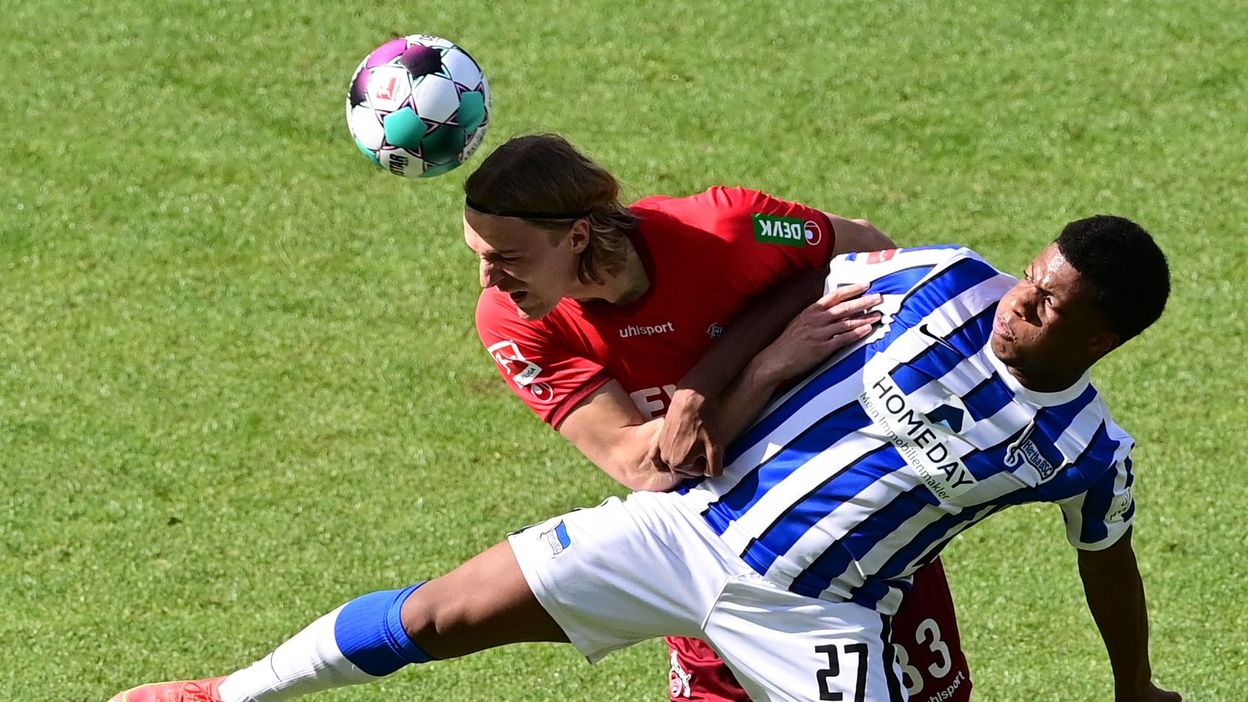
(310, 661)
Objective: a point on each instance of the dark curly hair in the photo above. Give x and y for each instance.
(1124, 264)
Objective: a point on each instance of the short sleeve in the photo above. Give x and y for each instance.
(535, 360)
(797, 232)
(1097, 518)
(770, 233)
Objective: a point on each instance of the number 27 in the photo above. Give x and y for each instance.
(834, 670)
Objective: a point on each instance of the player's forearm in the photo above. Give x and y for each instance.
(628, 461)
(746, 398)
(1115, 596)
(752, 330)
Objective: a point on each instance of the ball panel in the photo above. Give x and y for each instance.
(400, 162)
(472, 111)
(436, 98)
(474, 141)
(462, 69)
(431, 40)
(386, 52)
(358, 92)
(443, 144)
(439, 169)
(372, 155)
(421, 60)
(404, 128)
(365, 127)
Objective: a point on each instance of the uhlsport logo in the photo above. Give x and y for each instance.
(786, 231)
(646, 329)
(917, 439)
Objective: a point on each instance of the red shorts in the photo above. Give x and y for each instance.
(925, 637)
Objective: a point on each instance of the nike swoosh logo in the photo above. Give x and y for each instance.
(931, 335)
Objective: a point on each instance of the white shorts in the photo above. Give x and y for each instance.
(627, 571)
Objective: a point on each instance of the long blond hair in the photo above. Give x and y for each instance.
(544, 180)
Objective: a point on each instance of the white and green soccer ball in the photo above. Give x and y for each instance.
(418, 106)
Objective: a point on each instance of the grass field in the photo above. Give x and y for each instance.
(239, 383)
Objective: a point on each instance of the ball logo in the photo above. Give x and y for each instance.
(814, 233)
(388, 88)
(385, 90)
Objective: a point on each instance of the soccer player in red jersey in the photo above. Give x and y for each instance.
(601, 318)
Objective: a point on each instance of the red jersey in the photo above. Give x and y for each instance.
(706, 257)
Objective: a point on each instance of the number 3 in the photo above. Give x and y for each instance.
(928, 630)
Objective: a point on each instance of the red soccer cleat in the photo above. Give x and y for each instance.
(178, 691)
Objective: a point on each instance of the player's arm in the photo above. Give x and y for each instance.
(1115, 596)
(691, 434)
(608, 428)
(610, 431)
(833, 322)
(857, 235)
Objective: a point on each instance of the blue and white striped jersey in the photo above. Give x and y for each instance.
(862, 473)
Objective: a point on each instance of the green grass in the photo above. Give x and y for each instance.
(239, 382)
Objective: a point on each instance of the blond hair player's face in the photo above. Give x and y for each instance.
(534, 266)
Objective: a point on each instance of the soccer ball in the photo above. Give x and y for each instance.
(418, 106)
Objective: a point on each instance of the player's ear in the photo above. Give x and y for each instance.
(1104, 341)
(579, 236)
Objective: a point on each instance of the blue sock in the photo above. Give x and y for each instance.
(370, 634)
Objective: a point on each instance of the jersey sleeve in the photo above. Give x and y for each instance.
(535, 360)
(1097, 518)
(793, 233)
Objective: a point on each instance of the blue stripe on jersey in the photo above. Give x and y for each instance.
(859, 541)
(1046, 426)
(869, 593)
(1097, 502)
(818, 438)
(839, 371)
(834, 492)
(927, 543)
(899, 282)
(945, 355)
(987, 398)
(945, 285)
(990, 461)
(1084, 470)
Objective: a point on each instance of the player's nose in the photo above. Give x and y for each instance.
(1022, 304)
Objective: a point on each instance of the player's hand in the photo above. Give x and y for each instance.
(688, 444)
(835, 321)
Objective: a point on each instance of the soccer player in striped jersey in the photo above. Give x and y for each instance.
(972, 396)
